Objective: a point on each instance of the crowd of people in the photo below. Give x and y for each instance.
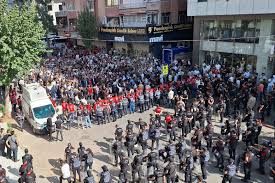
(96, 88)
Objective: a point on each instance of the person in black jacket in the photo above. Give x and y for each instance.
(50, 128)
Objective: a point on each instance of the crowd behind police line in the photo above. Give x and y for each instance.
(89, 88)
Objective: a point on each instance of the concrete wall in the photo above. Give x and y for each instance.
(230, 7)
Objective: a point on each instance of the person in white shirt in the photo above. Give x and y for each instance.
(170, 97)
(65, 170)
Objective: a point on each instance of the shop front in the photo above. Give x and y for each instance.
(169, 36)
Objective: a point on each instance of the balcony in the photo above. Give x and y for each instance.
(132, 5)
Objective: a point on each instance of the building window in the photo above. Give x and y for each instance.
(134, 20)
(60, 7)
(50, 7)
(111, 2)
(165, 18)
(202, 1)
(90, 5)
(71, 7)
(152, 19)
(182, 18)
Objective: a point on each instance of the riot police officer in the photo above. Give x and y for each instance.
(156, 138)
(124, 166)
(68, 152)
(118, 133)
(117, 149)
(130, 142)
(170, 171)
(208, 135)
(158, 174)
(171, 149)
(137, 167)
(188, 171)
(143, 138)
(105, 176)
(129, 126)
(180, 148)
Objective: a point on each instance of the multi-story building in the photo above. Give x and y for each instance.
(235, 32)
(144, 25)
(66, 19)
(53, 8)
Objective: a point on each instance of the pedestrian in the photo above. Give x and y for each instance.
(3, 178)
(59, 128)
(50, 128)
(27, 157)
(247, 165)
(12, 144)
(65, 170)
(2, 142)
(20, 118)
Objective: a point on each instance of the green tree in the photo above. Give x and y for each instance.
(42, 13)
(44, 17)
(87, 27)
(21, 46)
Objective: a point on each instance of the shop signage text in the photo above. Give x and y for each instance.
(156, 39)
(119, 39)
(167, 28)
(119, 30)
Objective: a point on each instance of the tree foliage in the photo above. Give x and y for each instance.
(42, 13)
(20, 41)
(44, 17)
(87, 27)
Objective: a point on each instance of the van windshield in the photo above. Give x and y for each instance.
(44, 111)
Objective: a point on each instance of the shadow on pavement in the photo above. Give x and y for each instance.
(104, 147)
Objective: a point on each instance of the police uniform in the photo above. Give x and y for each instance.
(137, 168)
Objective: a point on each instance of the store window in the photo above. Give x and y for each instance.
(111, 2)
(165, 18)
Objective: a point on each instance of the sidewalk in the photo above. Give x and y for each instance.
(11, 167)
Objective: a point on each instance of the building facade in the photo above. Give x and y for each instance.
(53, 8)
(235, 32)
(66, 19)
(143, 25)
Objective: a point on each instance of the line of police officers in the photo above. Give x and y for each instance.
(196, 118)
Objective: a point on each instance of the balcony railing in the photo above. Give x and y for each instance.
(132, 5)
